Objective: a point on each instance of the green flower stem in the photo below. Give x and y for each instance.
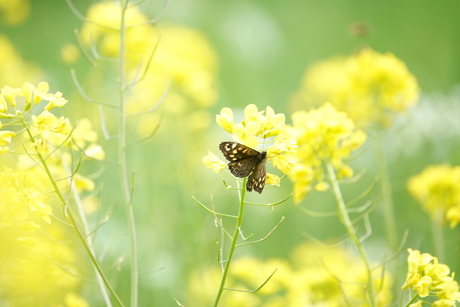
(236, 233)
(387, 193)
(89, 239)
(438, 235)
(412, 300)
(122, 163)
(73, 222)
(346, 221)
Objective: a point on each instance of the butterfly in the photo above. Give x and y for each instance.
(244, 161)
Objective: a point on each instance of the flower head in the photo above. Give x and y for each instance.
(5, 137)
(301, 281)
(323, 135)
(369, 86)
(427, 277)
(55, 100)
(185, 64)
(35, 261)
(437, 188)
(21, 200)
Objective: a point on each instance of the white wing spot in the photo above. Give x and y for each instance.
(234, 145)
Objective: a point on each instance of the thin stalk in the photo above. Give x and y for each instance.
(412, 300)
(438, 237)
(346, 221)
(126, 189)
(73, 222)
(89, 239)
(236, 232)
(387, 193)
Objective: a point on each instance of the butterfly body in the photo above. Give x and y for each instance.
(245, 161)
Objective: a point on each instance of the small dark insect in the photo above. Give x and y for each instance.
(244, 161)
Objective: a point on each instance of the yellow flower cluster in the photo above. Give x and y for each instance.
(259, 128)
(427, 277)
(301, 281)
(184, 62)
(323, 136)
(48, 135)
(368, 85)
(43, 274)
(47, 132)
(30, 259)
(21, 203)
(437, 188)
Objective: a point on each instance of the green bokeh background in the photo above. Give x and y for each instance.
(264, 48)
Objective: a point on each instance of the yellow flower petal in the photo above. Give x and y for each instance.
(213, 162)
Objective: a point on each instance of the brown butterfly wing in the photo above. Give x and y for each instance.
(257, 179)
(245, 161)
(242, 168)
(234, 151)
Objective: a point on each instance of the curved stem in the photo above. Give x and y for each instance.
(346, 221)
(387, 193)
(122, 163)
(73, 222)
(239, 222)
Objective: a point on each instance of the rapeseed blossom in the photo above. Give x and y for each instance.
(47, 135)
(22, 205)
(369, 86)
(427, 277)
(323, 136)
(301, 280)
(259, 129)
(437, 189)
(184, 64)
(42, 142)
(43, 273)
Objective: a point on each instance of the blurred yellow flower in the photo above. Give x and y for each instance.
(44, 273)
(273, 180)
(21, 200)
(323, 135)
(83, 183)
(71, 299)
(369, 86)
(14, 12)
(70, 53)
(5, 137)
(437, 189)
(52, 137)
(184, 64)
(302, 281)
(427, 277)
